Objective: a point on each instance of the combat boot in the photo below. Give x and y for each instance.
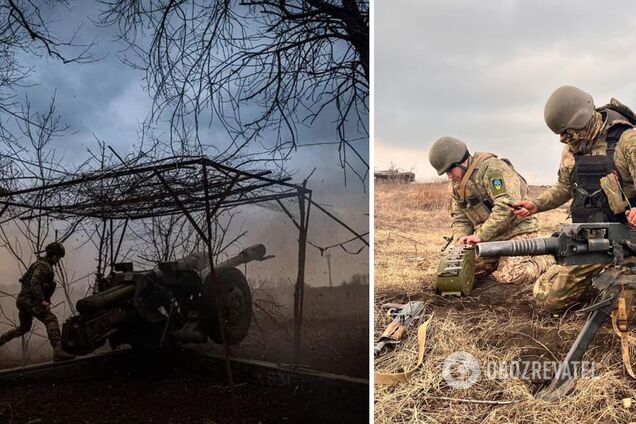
(60, 355)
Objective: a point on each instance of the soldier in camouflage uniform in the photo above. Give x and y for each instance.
(482, 186)
(597, 171)
(34, 300)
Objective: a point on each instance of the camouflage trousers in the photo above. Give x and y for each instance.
(562, 286)
(514, 269)
(28, 309)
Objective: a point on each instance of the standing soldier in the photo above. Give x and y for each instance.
(34, 300)
(482, 187)
(597, 171)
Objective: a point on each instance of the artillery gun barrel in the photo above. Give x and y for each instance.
(529, 247)
(106, 298)
(255, 252)
(199, 261)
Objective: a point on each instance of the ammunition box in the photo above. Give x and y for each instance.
(456, 271)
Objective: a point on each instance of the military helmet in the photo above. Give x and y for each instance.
(446, 153)
(55, 248)
(568, 108)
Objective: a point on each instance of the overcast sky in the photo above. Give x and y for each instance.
(106, 99)
(482, 72)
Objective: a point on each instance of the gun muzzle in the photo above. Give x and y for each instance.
(529, 247)
(255, 252)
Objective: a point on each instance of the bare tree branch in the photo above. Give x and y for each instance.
(262, 69)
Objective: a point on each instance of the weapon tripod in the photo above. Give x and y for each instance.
(612, 284)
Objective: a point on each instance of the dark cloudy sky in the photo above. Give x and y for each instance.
(106, 99)
(482, 71)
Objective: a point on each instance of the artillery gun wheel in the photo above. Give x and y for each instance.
(236, 305)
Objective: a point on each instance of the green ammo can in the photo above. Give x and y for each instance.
(456, 271)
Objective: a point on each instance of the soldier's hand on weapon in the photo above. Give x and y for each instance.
(471, 240)
(631, 216)
(526, 208)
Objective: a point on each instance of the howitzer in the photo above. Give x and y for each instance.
(173, 303)
(403, 317)
(579, 244)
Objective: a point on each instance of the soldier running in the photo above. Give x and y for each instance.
(482, 188)
(34, 300)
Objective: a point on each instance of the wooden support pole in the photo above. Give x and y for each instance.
(299, 290)
(209, 212)
(121, 239)
(101, 249)
(112, 245)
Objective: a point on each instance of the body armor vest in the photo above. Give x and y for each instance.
(48, 287)
(589, 201)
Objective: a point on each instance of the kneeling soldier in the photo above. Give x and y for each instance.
(34, 300)
(597, 171)
(482, 187)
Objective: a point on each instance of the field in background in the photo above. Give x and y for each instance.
(335, 329)
(497, 322)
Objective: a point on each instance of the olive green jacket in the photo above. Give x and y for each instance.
(38, 282)
(494, 182)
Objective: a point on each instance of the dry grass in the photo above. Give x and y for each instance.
(495, 323)
(409, 223)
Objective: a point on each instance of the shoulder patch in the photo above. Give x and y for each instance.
(497, 184)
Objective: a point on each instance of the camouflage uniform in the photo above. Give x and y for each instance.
(480, 208)
(37, 286)
(561, 286)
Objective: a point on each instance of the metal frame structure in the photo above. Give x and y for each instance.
(183, 185)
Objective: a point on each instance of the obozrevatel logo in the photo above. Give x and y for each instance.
(460, 370)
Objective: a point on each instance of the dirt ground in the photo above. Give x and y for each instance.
(335, 340)
(496, 323)
(166, 397)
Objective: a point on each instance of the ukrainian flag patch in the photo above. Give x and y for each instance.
(495, 183)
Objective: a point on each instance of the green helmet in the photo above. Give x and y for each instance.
(446, 153)
(568, 108)
(55, 248)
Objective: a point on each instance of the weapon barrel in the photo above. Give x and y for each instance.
(529, 247)
(255, 252)
(199, 261)
(106, 298)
